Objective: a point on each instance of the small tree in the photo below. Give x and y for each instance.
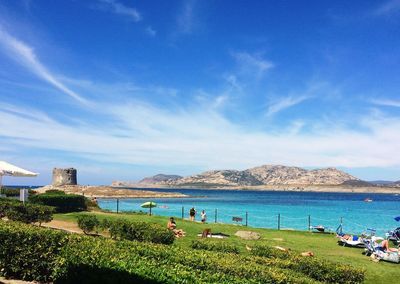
(87, 223)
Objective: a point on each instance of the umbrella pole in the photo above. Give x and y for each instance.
(1, 184)
(150, 210)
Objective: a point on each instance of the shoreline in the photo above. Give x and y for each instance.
(284, 188)
(105, 192)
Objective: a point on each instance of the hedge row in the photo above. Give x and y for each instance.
(14, 192)
(214, 246)
(321, 270)
(27, 213)
(32, 253)
(121, 229)
(62, 202)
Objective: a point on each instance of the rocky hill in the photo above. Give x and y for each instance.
(263, 175)
(161, 178)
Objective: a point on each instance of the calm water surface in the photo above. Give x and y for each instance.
(263, 208)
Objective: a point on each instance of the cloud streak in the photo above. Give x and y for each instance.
(386, 102)
(387, 8)
(185, 19)
(284, 103)
(120, 9)
(25, 55)
(253, 65)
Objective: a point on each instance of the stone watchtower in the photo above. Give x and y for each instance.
(64, 177)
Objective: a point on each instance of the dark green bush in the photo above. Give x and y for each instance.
(14, 192)
(318, 269)
(28, 252)
(215, 246)
(62, 202)
(47, 255)
(88, 223)
(55, 191)
(30, 213)
(5, 204)
(139, 231)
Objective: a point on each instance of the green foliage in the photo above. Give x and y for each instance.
(27, 252)
(5, 204)
(28, 213)
(139, 231)
(55, 191)
(62, 202)
(47, 255)
(88, 223)
(321, 270)
(14, 192)
(214, 246)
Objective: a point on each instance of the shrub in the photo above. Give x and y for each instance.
(139, 231)
(47, 255)
(87, 223)
(55, 191)
(27, 252)
(214, 246)
(62, 202)
(14, 192)
(319, 269)
(30, 213)
(5, 204)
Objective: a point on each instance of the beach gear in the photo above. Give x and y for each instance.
(149, 204)
(319, 228)
(352, 241)
(375, 250)
(394, 235)
(7, 169)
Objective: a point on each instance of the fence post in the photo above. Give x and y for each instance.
(117, 204)
(247, 217)
(309, 222)
(279, 221)
(215, 215)
(183, 212)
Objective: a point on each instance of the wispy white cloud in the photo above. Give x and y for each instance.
(150, 31)
(386, 102)
(197, 136)
(284, 103)
(387, 8)
(185, 18)
(119, 8)
(26, 56)
(252, 64)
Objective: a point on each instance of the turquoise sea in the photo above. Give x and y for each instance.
(264, 207)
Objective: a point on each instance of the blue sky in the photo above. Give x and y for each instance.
(126, 89)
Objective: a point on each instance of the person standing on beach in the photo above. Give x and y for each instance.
(203, 216)
(192, 214)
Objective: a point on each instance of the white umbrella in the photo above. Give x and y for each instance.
(6, 169)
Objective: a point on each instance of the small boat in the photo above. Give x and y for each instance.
(368, 199)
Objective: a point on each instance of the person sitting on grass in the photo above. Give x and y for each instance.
(172, 226)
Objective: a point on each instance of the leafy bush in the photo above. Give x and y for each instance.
(319, 269)
(14, 192)
(87, 223)
(55, 191)
(30, 213)
(215, 246)
(139, 231)
(62, 202)
(27, 252)
(5, 204)
(47, 255)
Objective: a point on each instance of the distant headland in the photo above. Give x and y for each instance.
(267, 177)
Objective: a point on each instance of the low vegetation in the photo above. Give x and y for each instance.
(27, 213)
(62, 202)
(33, 253)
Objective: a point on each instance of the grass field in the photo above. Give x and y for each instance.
(323, 245)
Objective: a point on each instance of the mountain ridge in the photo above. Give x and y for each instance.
(256, 176)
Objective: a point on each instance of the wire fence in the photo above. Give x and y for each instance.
(256, 218)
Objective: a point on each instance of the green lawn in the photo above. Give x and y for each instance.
(323, 245)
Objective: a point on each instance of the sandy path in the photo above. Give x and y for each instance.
(63, 225)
